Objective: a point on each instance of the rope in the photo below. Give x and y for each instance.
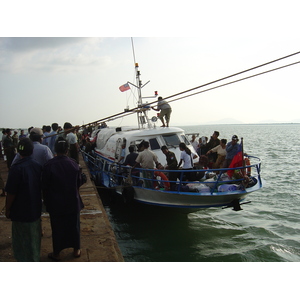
(228, 83)
(259, 66)
(134, 110)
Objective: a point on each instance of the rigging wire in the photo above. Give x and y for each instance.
(134, 110)
(259, 66)
(231, 82)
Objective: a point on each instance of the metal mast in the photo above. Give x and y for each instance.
(142, 110)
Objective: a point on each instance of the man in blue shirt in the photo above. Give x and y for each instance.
(52, 138)
(45, 136)
(232, 148)
(41, 153)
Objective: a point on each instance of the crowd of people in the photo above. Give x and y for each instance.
(213, 154)
(216, 153)
(43, 168)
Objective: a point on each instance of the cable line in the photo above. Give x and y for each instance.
(134, 110)
(228, 83)
(259, 66)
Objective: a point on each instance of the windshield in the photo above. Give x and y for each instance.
(171, 140)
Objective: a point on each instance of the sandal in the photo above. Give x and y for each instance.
(52, 257)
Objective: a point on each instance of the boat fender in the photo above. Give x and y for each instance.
(128, 194)
(163, 177)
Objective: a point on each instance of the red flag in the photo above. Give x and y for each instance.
(124, 87)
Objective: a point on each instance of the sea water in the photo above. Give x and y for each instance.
(266, 230)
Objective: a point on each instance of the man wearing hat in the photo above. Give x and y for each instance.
(24, 204)
(41, 153)
(232, 148)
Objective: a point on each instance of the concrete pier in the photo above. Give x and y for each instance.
(98, 241)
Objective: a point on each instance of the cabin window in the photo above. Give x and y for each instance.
(185, 140)
(171, 140)
(154, 145)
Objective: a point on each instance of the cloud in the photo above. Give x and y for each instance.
(25, 44)
(51, 54)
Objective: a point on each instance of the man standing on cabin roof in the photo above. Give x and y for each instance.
(165, 111)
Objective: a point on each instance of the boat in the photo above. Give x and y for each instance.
(211, 187)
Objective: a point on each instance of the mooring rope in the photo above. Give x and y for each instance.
(231, 82)
(135, 109)
(239, 73)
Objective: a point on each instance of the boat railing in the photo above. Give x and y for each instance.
(113, 174)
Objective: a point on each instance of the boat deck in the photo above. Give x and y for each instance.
(98, 241)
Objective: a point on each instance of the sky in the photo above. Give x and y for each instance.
(63, 61)
(50, 74)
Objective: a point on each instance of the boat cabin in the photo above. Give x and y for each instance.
(110, 140)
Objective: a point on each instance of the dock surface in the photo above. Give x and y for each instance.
(98, 241)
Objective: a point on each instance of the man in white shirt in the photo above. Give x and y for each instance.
(147, 159)
(194, 142)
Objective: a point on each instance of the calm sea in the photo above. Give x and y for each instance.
(265, 230)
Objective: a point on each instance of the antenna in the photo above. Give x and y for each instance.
(142, 115)
(132, 45)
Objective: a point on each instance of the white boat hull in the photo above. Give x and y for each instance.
(109, 173)
(189, 201)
